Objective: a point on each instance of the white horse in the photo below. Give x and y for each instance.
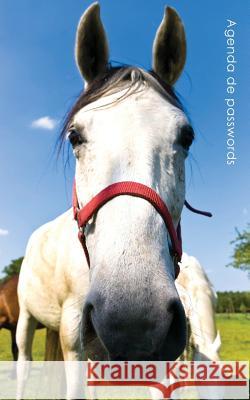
(199, 300)
(128, 125)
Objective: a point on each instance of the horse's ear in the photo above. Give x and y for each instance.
(91, 50)
(169, 48)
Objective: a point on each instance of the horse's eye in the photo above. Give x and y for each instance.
(75, 138)
(186, 137)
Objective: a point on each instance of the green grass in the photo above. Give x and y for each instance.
(234, 330)
(235, 336)
(38, 345)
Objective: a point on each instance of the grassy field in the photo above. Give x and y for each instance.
(234, 330)
(235, 336)
(38, 345)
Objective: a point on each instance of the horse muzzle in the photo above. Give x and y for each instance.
(155, 330)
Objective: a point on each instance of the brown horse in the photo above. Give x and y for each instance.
(9, 310)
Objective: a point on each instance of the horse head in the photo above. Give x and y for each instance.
(128, 125)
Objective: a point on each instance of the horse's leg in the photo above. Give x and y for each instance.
(24, 336)
(71, 346)
(69, 332)
(14, 348)
(26, 327)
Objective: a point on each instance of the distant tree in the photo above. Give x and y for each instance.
(12, 269)
(230, 307)
(241, 254)
(243, 308)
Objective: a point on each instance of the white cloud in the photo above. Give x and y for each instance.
(3, 232)
(44, 123)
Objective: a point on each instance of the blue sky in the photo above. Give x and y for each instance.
(39, 79)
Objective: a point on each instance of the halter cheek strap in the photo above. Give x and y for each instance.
(83, 215)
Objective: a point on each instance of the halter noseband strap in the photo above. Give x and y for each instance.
(83, 215)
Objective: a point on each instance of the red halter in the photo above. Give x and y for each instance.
(83, 215)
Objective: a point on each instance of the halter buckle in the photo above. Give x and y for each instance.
(176, 264)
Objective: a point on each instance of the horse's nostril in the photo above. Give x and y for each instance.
(176, 337)
(173, 306)
(88, 328)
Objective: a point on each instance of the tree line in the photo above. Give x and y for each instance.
(233, 302)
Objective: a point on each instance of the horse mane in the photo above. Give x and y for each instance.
(110, 82)
(193, 275)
